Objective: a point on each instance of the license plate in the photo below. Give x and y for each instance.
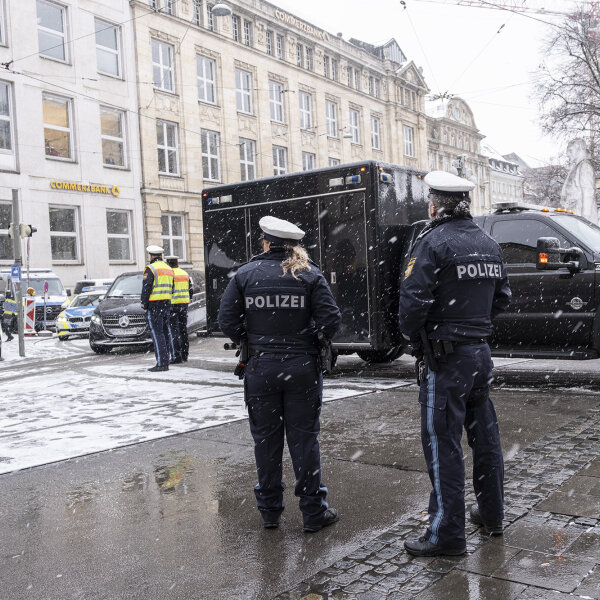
(125, 332)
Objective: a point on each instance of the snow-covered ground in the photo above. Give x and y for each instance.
(82, 403)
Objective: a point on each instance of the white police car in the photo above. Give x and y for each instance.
(75, 318)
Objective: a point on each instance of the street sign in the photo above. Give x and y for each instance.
(15, 273)
(45, 287)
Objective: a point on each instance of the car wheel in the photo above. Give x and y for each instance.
(380, 356)
(62, 338)
(100, 349)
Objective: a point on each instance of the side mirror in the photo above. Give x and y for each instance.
(68, 292)
(551, 257)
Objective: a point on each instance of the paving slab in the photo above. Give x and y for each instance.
(579, 496)
(590, 586)
(545, 570)
(587, 545)
(536, 593)
(487, 559)
(593, 469)
(548, 537)
(463, 585)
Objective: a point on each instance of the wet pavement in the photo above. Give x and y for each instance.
(174, 517)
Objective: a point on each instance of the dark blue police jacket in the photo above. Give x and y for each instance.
(455, 283)
(276, 312)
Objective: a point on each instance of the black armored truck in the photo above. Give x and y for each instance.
(361, 220)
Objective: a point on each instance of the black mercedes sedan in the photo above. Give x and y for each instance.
(119, 319)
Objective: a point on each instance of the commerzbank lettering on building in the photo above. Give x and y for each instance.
(83, 187)
(291, 20)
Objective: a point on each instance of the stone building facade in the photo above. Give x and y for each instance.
(506, 177)
(69, 140)
(258, 93)
(452, 133)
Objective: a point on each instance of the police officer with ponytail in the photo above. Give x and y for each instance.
(454, 284)
(280, 302)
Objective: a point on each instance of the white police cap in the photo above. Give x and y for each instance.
(443, 181)
(172, 257)
(154, 250)
(277, 229)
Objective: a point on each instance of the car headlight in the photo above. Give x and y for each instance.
(96, 319)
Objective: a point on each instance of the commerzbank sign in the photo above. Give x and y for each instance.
(298, 24)
(112, 190)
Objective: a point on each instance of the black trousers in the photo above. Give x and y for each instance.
(158, 320)
(179, 332)
(284, 395)
(452, 398)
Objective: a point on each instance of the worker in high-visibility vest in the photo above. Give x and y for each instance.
(182, 295)
(157, 290)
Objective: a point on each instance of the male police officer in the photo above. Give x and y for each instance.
(279, 302)
(182, 293)
(157, 289)
(454, 284)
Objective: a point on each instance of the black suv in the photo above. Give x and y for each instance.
(119, 319)
(553, 262)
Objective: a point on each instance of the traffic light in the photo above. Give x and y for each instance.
(26, 230)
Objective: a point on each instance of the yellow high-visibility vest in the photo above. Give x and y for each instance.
(162, 287)
(181, 289)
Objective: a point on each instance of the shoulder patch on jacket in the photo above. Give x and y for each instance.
(409, 267)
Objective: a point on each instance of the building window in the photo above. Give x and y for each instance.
(306, 117)
(6, 246)
(308, 161)
(6, 122)
(243, 91)
(52, 28)
(108, 59)
(334, 69)
(118, 229)
(269, 42)
(58, 124)
(354, 124)
(162, 66)
(279, 46)
(210, 155)
(300, 55)
(247, 159)
(64, 233)
(326, 66)
(3, 41)
(279, 160)
(206, 79)
(375, 133)
(308, 63)
(371, 85)
(276, 101)
(197, 17)
(377, 88)
(113, 137)
(167, 145)
(172, 235)
(334, 162)
(357, 79)
(409, 148)
(235, 28)
(432, 161)
(210, 19)
(169, 7)
(331, 118)
(349, 72)
(247, 32)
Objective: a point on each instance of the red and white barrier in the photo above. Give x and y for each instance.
(29, 315)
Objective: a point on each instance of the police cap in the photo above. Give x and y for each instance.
(154, 250)
(443, 181)
(278, 230)
(171, 257)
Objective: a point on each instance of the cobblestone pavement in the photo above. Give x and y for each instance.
(551, 539)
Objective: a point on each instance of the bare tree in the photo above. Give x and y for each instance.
(568, 84)
(542, 185)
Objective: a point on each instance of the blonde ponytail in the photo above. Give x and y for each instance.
(297, 260)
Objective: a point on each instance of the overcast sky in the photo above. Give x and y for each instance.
(487, 57)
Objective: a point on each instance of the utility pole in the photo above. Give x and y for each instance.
(18, 262)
